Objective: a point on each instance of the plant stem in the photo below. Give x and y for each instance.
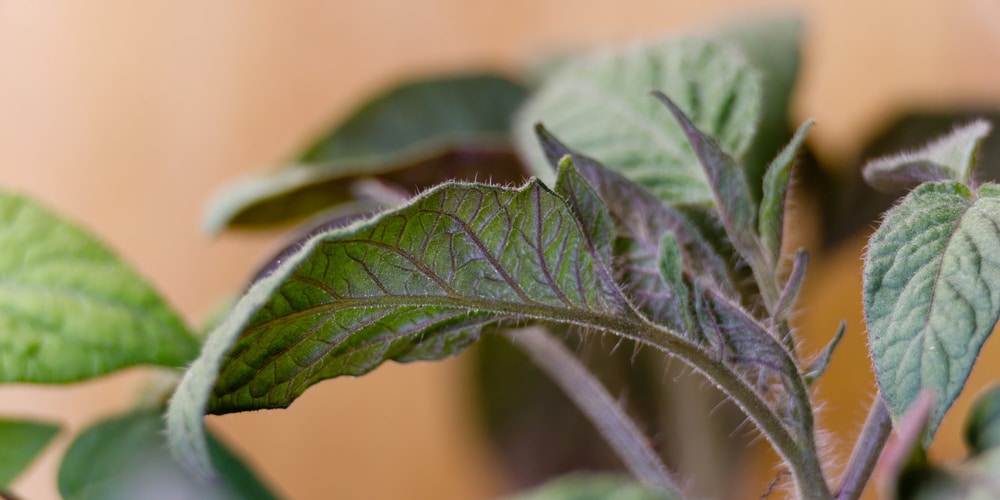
(594, 401)
(866, 451)
(801, 457)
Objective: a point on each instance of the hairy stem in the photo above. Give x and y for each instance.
(594, 401)
(866, 451)
(801, 457)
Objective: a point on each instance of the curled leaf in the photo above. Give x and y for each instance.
(950, 158)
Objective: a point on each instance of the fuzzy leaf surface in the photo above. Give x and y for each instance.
(932, 292)
(413, 135)
(640, 219)
(21, 441)
(950, 158)
(127, 457)
(600, 106)
(70, 309)
(771, 218)
(737, 208)
(415, 283)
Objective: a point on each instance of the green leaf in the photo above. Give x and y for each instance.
(127, 457)
(950, 158)
(982, 424)
(21, 442)
(640, 220)
(600, 106)
(672, 270)
(932, 292)
(772, 205)
(592, 487)
(817, 367)
(70, 309)
(588, 207)
(415, 283)
(412, 135)
(771, 45)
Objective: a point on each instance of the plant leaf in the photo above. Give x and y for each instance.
(412, 135)
(593, 487)
(599, 105)
(737, 209)
(982, 424)
(817, 367)
(127, 457)
(771, 45)
(70, 309)
(415, 283)
(589, 208)
(640, 220)
(932, 292)
(950, 158)
(772, 205)
(672, 270)
(21, 441)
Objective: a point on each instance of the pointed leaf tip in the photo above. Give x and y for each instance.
(772, 205)
(737, 209)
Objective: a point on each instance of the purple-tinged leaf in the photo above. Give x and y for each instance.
(737, 209)
(640, 220)
(588, 207)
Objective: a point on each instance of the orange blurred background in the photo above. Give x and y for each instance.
(127, 115)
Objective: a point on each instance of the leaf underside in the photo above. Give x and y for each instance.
(949, 158)
(412, 136)
(600, 106)
(70, 309)
(932, 292)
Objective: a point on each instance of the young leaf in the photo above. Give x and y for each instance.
(950, 158)
(672, 268)
(589, 208)
(932, 292)
(772, 205)
(600, 107)
(818, 366)
(70, 309)
(419, 282)
(414, 135)
(790, 292)
(737, 209)
(21, 442)
(771, 45)
(127, 457)
(640, 219)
